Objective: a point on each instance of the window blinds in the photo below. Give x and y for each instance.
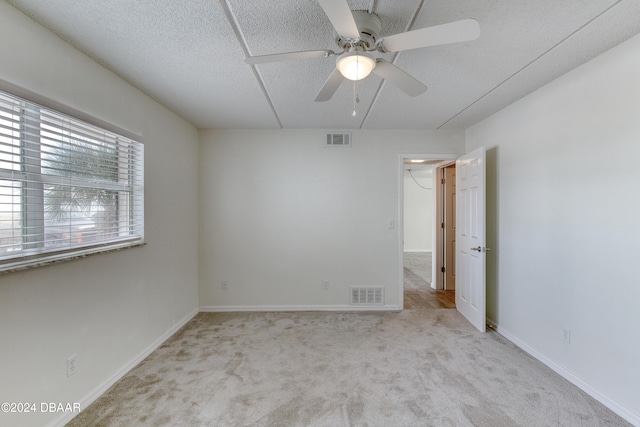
(66, 187)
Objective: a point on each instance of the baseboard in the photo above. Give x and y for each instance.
(418, 250)
(102, 388)
(269, 308)
(616, 407)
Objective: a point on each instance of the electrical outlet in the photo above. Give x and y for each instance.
(325, 285)
(71, 365)
(225, 285)
(566, 335)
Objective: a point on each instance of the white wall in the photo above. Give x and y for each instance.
(418, 211)
(564, 209)
(280, 213)
(107, 308)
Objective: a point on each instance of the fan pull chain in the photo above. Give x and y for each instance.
(355, 87)
(356, 99)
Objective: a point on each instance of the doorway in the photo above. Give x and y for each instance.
(470, 258)
(421, 250)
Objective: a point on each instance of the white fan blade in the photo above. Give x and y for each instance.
(330, 86)
(453, 32)
(399, 78)
(290, 56)
(341, 18)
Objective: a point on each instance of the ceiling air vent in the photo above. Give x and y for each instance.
(372, 295)
(338, 140)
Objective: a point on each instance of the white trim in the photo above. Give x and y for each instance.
(610, 403)
(418, 250)
(285, 308)
(102, 388)
(400, 228)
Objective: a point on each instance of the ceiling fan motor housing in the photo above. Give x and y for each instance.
(369, 25)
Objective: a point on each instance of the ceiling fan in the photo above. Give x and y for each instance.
(358, 36)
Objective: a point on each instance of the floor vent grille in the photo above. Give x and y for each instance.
(372, 295)
(338, 140)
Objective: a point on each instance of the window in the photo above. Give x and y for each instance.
(67, 188)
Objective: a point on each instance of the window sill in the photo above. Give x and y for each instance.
(21, 265)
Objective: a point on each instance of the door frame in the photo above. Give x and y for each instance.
(438, 232)
(446, 159)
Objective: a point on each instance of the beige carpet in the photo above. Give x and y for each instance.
(414, 368)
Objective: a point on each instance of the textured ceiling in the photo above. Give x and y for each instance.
(189, 56)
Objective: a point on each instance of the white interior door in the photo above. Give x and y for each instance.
(471, 296)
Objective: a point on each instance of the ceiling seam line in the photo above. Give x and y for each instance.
(372, 6)
(231, 18)
(393, 61)
(373, 102)
(512, 76)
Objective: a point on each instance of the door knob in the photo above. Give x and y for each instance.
(481, 249)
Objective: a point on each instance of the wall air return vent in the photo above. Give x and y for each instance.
(338, 140)
(371, 295)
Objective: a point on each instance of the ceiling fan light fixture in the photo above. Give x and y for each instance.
(355, 65)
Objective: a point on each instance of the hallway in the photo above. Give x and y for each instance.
(418, 293)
